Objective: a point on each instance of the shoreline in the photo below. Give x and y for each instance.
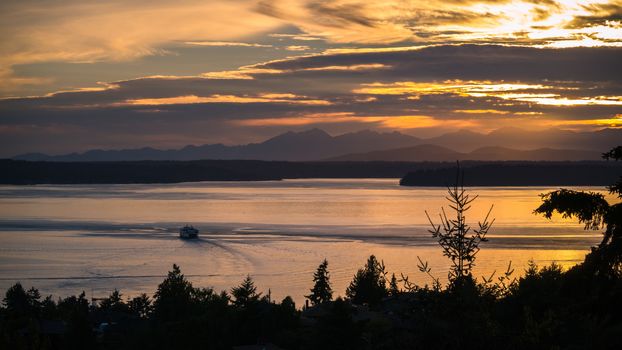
(434, 174)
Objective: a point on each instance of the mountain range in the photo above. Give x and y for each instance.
(316, 144)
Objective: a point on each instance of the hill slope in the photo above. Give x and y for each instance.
(437, 153)
(296, 146)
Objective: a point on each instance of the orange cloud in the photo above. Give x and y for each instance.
(76, 31)
(480, 111)
(614, 122)
(503, 90)
(248, 72)
(297, 48)
(224, 43)
(192, 99)
(475, 88)
(354, 67)
(390, 122)
(557, 100)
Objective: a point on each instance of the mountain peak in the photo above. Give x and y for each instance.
(306, 135)
(314, 132)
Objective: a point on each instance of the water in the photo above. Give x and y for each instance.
(64, 239)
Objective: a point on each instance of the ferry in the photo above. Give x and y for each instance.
(188, 232)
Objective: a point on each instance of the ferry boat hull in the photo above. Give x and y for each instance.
(188, 232)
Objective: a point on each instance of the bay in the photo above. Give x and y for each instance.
(64, 239)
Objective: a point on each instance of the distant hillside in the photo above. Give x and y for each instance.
(296, 146)
(420, 174)
(520, 174)
(516, 138)
(502, 153)
(407, 154)
(441, 154)
(315, 144)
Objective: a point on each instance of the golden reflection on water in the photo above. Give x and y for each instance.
(288, 202)
(276, 231)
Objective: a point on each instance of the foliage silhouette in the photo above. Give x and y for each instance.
(245, 295)
(173, 299)
(114, 303)
(394, 289)
(140, 306)
(369, 283)
(322, 291)
(591, 209)
(20, 301)
(454, 234)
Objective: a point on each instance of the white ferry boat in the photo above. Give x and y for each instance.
(188, 232)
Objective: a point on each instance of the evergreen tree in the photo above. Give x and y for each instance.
(460, 242)
(75, 311)
(369, 283)
(321, 291)
(393, 288)
(16, 299)
(245, 295)
(173, 299)
(140, 306)
(113, 303)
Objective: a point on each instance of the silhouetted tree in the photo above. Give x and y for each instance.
(173, 299)
(245, 295)
(207, 295)
(336, 329)
(140, 306)
(321, 291)
(393, 288)
(22, 309)
(19, 301)
(614, 153)
(591, 209)
(48, 308)
(460, 243)
(369, 283)
(113, 303)
(288, 304)
(288, 314)
(75, 310)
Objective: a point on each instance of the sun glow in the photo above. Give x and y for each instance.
(466, 88)
(615, 122)
(192, 99)
(390, 122)
(519, 92)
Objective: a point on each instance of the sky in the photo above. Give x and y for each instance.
(79, 75)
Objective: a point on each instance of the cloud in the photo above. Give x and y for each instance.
(297, 48)
(520, 92)
(301, 36)
(78, 31)
(481, 111)
(597, 14)
(192, 99)
(224, 43)
(438, 21)
(434, 87)
(469, 62)
(73, 31)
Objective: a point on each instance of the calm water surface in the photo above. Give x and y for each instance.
(65, 239)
